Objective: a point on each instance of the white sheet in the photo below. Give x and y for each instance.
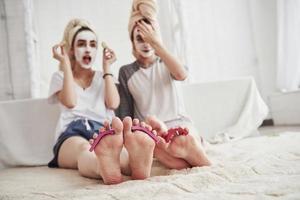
(27, 132)
(225, 110)
(264, 167)
(219, 109)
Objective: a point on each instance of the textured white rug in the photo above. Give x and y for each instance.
(264, 167)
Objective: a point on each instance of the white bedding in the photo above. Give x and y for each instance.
(263, 167)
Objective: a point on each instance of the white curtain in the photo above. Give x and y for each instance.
(216, 38)
(220, 40)
(288, 73)
(18, 60)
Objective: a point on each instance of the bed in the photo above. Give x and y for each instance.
(246, 164)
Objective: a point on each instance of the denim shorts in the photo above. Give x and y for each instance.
(81, 127)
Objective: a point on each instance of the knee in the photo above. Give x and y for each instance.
(83, 147)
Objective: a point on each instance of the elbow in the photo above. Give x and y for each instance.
(181, 76)
(113, 105)
(70, 104)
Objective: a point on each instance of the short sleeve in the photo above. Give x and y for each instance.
(126, 100)
(56, 85)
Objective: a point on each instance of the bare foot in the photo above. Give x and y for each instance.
(166, 159)
(157, 125)
(140, 148)
(160, 149)
(187, 148)
(108, 154)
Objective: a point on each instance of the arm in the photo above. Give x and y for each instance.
(174, 66)
(67, 96)
(112, 98)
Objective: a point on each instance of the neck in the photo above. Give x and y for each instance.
(146, 62)
(82, 72)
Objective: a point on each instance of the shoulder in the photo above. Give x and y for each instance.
(57, 76)
(126, 71)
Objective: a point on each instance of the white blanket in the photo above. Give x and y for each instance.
(221, 111)
(264, 167)
(225, 110)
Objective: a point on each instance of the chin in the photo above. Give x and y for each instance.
(146, 56)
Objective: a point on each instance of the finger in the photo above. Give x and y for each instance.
(54, 48)
(62, 50)
(143, 27)
(147, 26)
(142, 35)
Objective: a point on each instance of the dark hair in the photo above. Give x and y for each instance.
(80, 30)
(147, 21)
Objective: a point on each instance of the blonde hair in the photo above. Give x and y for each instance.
(143, 10)
(71, 30)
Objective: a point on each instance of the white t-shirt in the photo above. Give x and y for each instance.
(150, 91)
(90, 102)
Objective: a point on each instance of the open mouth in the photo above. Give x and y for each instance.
(87, 59)
(146, 50)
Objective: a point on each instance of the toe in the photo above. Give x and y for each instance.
(117, 125)
(127, 123)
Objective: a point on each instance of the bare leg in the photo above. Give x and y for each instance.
(185, 147)
(105, 162)
(108, 154)
(160, 149)
(74, 152)
(140, 148)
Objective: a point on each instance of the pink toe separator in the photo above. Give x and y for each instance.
(140, 128)
(101, 134)
(172, 132)
(111, 132)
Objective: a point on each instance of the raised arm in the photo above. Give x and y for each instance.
(67, 96)
(150, 35)
(112, 97)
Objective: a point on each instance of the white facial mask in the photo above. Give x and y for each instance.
(142, 48)
(85, 48)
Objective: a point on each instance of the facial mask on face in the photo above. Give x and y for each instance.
(85, 49)
(142, 48)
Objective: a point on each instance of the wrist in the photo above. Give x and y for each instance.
(107, 75)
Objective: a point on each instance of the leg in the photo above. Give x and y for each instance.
(74, 153)
(187, 147)
(105, 162)
(140, 149)
(160, 152)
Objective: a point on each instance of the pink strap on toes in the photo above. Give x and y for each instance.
(111, 132)
(100, 136)
(172, 132)
(140, 128)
